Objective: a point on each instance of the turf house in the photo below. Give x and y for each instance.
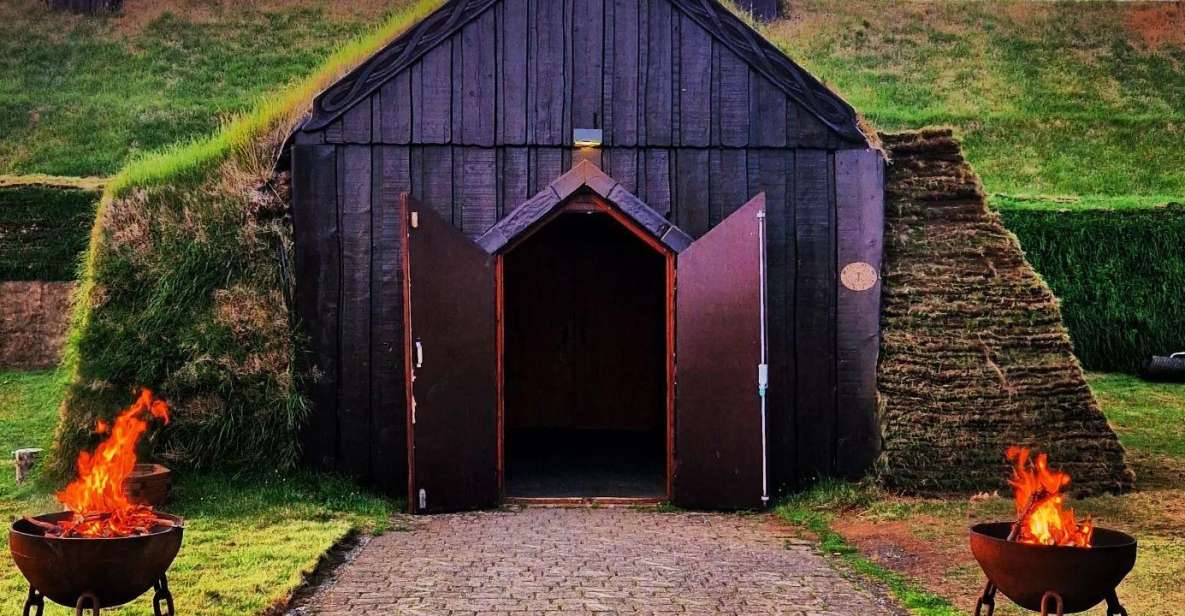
(584, 249)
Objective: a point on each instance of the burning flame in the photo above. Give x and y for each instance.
(101, 506)
(1040, 512)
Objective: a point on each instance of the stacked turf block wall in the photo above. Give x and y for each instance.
(974, 356)
(43, 230)
(1120, 276)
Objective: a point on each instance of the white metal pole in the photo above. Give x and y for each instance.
(763, 367)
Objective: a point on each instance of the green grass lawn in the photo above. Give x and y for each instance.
(918, 546)
(248, 539)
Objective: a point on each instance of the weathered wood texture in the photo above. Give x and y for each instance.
(526, 72)
(476, 124)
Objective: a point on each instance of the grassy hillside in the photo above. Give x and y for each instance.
(79, 95)
(1065, 98)
(1073, 98)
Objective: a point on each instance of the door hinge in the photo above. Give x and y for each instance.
(419, 353)
(762, 379)
(415, 220)
(423, 499)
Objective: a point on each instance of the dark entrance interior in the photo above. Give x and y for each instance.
(585, 368)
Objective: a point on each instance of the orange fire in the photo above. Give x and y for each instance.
(101, 506)
(1040, 509)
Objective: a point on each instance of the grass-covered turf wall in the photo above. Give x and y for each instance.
(43, 231)
(1119, 274)
(183, 289)
(974, 356)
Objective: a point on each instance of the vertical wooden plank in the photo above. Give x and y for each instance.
(354, 414)
(728, 183)
(692, 174)
(395, 110)
(587, 52)
(459, 185)
(436, 179)
(732, 83)
(623, 103)
(458, 90)
(608, 70)
(676, 76)
(316, 259)
(479, 54)
(480, 198)
(622, 165)
(659, 67)
(767, 113)
(333, 132)
(658, 180)
(809, 131)
(388, 417)
(643, 34)
(815, 311)
(569, 29)
(432, 108)
(772, 172)
(859, 214)
(512, 113)
(695, 77)
(548, 166)
(547, 85)
(514, 179)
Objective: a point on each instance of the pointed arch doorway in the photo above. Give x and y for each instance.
(573, 296)
(586, 320)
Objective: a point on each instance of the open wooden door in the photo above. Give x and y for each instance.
(449, 287)
(719, 355)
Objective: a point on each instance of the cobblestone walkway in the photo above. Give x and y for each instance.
(590, 561)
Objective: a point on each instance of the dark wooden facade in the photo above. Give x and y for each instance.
(472, 112)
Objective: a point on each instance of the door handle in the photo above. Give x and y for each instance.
(419, 354)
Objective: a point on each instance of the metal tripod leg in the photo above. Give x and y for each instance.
(988, 598)
(35, 603)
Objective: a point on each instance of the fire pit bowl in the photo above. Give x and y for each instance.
(1074, 579)
(94, 573)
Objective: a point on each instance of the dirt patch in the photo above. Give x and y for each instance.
(940, 561)
(33, 320)
(1158, 25)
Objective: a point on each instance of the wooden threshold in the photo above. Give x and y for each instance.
(583, 501)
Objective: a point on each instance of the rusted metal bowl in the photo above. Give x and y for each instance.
(115, 570)
(1025, 572)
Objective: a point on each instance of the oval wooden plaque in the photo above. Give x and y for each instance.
(858, 276)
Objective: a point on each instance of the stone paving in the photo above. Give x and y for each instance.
(590, 561)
